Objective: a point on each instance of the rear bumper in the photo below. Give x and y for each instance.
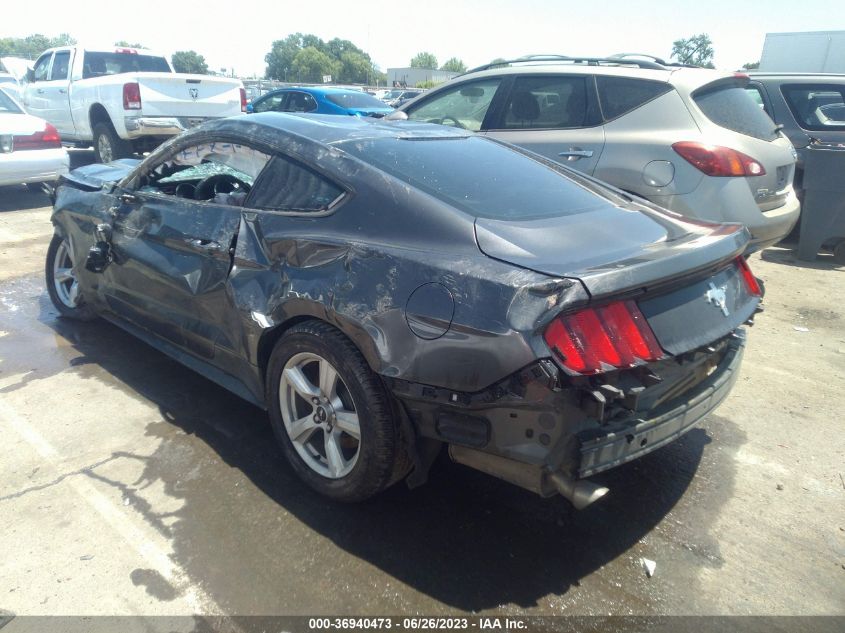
(33, 166)
(137, 127)
(614, 449)
(529, 427)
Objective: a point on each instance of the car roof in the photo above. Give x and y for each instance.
(318, 90)
(328, 129)
(799, 77)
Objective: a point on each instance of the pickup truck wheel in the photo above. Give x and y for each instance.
(108, 146)
(331, 414)
(62, 283)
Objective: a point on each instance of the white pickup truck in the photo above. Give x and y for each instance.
(123, 100)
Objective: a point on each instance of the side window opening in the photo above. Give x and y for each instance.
(217, 172)
(547, 103)
(61, 60)
(41, 67)
(464, 106)
(271, 104)
(286, 185)
(621, 95)
(817, 107)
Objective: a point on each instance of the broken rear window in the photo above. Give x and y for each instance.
(478, 176)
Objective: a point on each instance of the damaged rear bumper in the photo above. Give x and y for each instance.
(496, 431)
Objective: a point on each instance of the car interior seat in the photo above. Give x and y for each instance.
(524, 108)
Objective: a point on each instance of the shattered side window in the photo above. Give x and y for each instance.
(289, 186)
(218, 172)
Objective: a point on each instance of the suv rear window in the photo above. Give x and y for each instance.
(620, 95)
(99, 64)
(817, 107)
(730, 106)
(478, 176)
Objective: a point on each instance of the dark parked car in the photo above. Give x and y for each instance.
(807, 106)
(383, 289)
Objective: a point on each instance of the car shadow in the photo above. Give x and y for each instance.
(464, 540)
(19, 198)
(787, 254)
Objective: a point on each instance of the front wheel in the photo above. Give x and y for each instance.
(108, 146)
(331, 414)
(62, 282)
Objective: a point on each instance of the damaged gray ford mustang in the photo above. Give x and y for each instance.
(383, 289)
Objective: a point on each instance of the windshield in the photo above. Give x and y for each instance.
(479, 176)
(355, 100)
(7, 104)
(99, 64)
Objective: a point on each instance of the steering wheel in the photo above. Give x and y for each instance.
(219, 183)
(457, 123)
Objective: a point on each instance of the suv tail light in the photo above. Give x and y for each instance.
(715, 160)
(243, 100)
(131, 96)
(750, 280)
(47, 139)
(614, 336)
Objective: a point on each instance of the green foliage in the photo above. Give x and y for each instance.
(696, 50)
(424, 60)
(454, 65)
(189, 62)
(752, 65)
(126, 44)
(428, 83)
(311, 64)
(31, 46)
(341, 59)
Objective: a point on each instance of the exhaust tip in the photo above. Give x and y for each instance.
(580, 493)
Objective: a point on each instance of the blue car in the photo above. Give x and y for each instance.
(320, 101)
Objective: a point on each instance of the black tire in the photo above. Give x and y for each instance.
(35, 187)
(381, 457)
(106, 140)
(839, 252)
(80, 311)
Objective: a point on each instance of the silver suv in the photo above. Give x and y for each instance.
(691, 140)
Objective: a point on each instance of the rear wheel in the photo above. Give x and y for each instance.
(62, 283)
(108, 146)
(331, 414)
(839, 252)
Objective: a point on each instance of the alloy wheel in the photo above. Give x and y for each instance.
(64, 277)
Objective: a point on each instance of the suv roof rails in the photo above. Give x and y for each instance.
(656, 60)
(588, 61)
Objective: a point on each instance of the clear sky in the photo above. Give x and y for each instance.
(237, 34)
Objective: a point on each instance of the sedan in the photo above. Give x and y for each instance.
(385, 290)
(321, 101)
(31, 151)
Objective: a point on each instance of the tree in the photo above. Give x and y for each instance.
(454, 65)
(189, 62)
(424, 60)
(696, 50)
(311, 64)
(355, 68)
(125, 44)
(282, 53)
(751, 65)
(31, 46)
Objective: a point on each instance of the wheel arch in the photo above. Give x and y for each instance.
(97, 113)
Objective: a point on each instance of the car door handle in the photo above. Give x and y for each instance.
(62, 91)
(205, 245)
(40, 91)
(575, 154)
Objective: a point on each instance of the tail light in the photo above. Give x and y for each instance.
(243, 100)
(46, 139)
(131, 96)
(614, 336)
(750, 280)
(715, 160)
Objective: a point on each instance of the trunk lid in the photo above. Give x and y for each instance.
(612, 249)
(182, 95)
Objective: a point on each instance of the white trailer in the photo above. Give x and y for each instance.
(807, 52)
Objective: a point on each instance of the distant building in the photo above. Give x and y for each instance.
(410, 77)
